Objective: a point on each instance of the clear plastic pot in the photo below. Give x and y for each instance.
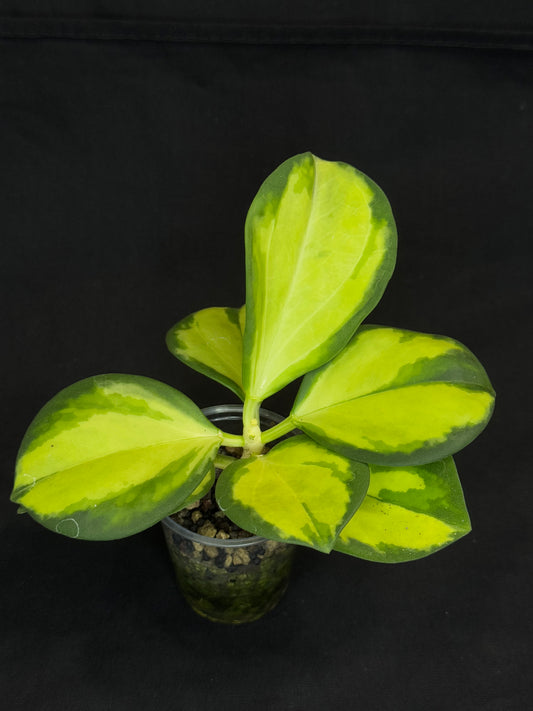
(229, 580)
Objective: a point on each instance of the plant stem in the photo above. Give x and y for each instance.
(253, 443)
(222, 461)
(282, 428)
(231, 440)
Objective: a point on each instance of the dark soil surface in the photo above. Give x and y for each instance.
(205, 517)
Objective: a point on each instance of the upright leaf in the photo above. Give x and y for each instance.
(408, 513)
(396, 397)
(299, 493)
(210, 341)
(111, 455)
(320, 249)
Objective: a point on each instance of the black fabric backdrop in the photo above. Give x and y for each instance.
(133, 139)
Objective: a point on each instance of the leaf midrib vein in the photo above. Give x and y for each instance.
(106, 456)
(462, 384)
(302, 324)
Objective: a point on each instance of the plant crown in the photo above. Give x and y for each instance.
(380, 410)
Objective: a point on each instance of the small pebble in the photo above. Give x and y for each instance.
(241, 557)
(270, 547)
(207, 530)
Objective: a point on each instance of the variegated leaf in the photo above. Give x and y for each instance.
(320, 249)
(396, 397)
(111, 455)
(298, 493)
(408, 513)
(210, 341)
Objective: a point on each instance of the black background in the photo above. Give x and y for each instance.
(133, 138)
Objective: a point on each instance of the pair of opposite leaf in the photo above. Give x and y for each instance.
(381, 411)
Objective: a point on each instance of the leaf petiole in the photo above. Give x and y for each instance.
(231, 440)
(223, 460)
(282, 428)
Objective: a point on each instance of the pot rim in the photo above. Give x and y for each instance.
(233, 409)
(207, 541)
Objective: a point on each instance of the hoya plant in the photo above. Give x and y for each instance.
(379, 413)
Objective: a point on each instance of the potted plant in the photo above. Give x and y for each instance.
(379, 413)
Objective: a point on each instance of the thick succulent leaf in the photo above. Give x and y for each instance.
(320, 248)
(298, 493)
(210, 341)
(111, 455)
(408, 513)
(396, 397)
